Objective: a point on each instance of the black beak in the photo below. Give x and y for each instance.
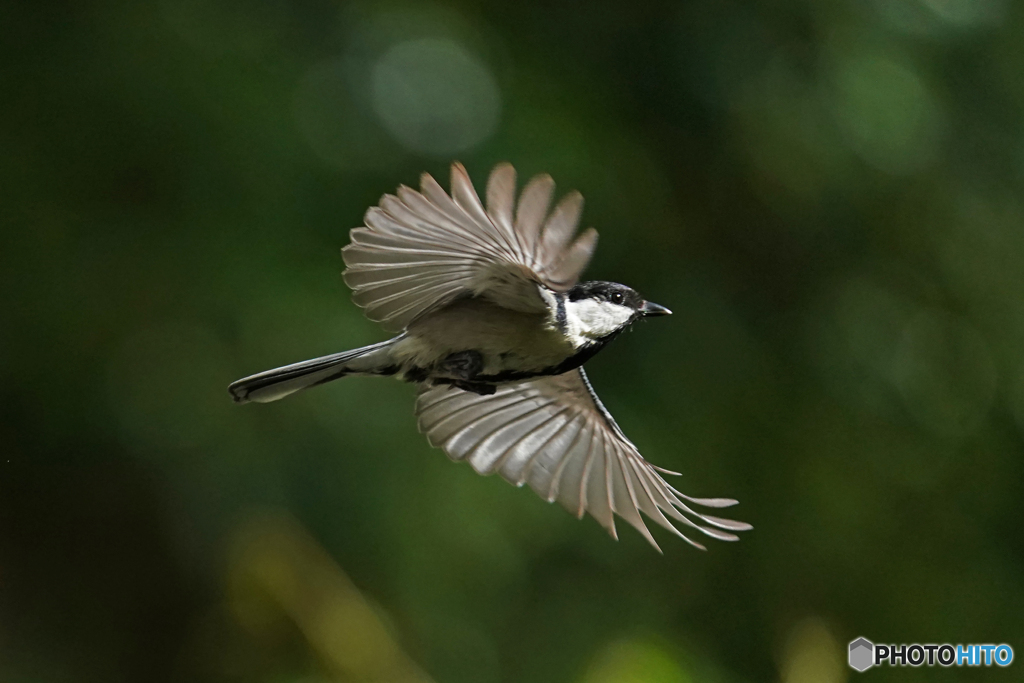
(651, 309)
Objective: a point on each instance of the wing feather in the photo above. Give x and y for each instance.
(562, 223)
(420, 250)
(488, 453)
(464, 197)
(526, 443)
(631, 511)
(501, 199)
(554, 433)
(584, 501)
(574, 260)
(572, 459)
(530, 215)
(526, 458)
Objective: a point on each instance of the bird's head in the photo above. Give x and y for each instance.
(604, 308)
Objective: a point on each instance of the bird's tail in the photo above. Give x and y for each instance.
(271, 385)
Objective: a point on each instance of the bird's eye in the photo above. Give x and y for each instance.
(616, 298)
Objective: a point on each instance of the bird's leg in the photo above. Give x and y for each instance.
(461, 368)
(480, 388)
(462, 365)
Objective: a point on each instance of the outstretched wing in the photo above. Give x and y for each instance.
(421, 250)
(554, 434)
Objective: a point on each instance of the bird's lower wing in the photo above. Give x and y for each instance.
(421, 250)
(553, 434)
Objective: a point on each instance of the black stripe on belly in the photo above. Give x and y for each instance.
(571, 363)
(560, 312)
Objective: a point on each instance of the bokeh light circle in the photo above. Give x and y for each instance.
(434, 97)
(888, 115)
(946, 374)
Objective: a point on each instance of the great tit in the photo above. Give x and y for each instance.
(493, 326)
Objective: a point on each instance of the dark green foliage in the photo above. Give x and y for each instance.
(827, 195)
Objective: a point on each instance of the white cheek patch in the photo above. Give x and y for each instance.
(595, 319)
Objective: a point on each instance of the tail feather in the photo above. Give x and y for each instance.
(280, 382)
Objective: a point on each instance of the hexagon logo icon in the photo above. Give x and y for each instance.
(862, 654)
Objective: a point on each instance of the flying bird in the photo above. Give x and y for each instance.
(494, 326)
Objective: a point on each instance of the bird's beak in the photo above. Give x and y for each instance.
(650, 309)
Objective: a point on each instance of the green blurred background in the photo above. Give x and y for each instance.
(828, 195)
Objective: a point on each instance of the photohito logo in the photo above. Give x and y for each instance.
(864, 654)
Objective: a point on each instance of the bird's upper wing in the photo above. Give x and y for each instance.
(554, 434)
(421, 250)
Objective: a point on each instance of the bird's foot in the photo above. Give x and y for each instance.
(462, 365)
(481, 388)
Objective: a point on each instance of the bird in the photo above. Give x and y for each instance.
(493, 325)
